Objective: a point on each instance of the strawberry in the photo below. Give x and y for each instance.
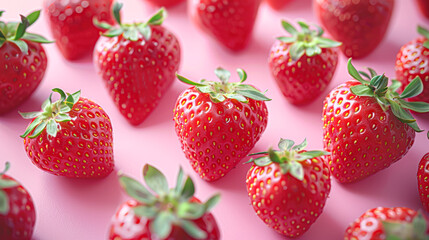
(137, 63)
(367, 125)
(71, 24)
(70, 137)
(23, 61)
(288, 188)
(303, 64)
(423, 6)
(278, 4)
(164, 214)
(423, 181)
(229, 22)
(17, 213)
(165, 3)
(218, 123)
(411, 62)
(359, 25)
(398, 223)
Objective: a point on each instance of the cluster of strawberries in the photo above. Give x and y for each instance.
(367, 122)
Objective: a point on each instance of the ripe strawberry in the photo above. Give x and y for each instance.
(23, 61)
(165, 3)
(17, 213)
(77, 141)
(398, 223)
(303, 64)
(423, 181)
(137, 63)
(165, 214)
(229, 22)
(366, 125)
(411, 62)
(71, 23)
(359, 25)
(218, 123)
(423, 6)
(278, 4)
(288, 188)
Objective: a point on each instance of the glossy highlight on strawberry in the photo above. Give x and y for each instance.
(70, 137)
(218, 123)
(137, 63)
(367, 125)
(163, 213)
(288, 187)
(23, 61)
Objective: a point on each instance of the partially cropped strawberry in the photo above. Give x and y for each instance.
(398, 223)
(423, 6)
(70, 137)
(165, 3)
(278, 4)
(412, 61)
(288, 188)
(423, 181)
(359, 25)
(218, 123)
(303, 64)
(23, 61)
(72, 27)
(17, 213)
(137, 63)
(367, 125)
(163, 213)
(229, 22)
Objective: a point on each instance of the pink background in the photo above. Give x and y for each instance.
(70, 209)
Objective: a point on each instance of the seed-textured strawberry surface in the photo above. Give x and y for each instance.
(423, 181)
(138, 69)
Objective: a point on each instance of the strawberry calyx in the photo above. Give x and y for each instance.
(376, 86)
(220, 91)
(290, 157)
(132, 31)
(167, 207)
(51, 115)
(415, 230)
(308, 41)
(16, 32)
(425, 33)
(5, 183)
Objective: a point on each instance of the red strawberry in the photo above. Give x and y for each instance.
(278, 4)
(165, 3)
(23, 61)
(137, 63)
(167, 214)
(423, 6)
(359, 25)
(303, 64)
(288, 188)
(229, 22)
(71, 23)
(218, 123)
(383, 223)
(77, 141)
(423, 181)
(17, 213)
(412, 61)
(366, 125)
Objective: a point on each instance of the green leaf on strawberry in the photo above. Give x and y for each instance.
(15, 32)
(415, 230)
(167, 207)
(5, 183)
(131, 31)
(220, 91)
(308, 41)
(388, 98)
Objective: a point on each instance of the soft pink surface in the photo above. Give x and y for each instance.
(69, 209)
